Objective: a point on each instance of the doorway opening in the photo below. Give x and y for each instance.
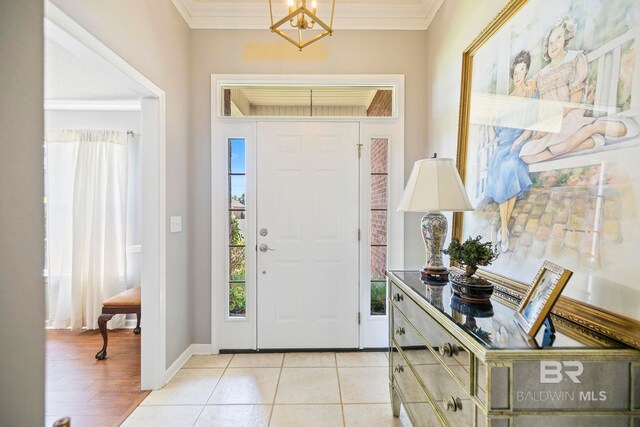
(265, 283)
(71, 104)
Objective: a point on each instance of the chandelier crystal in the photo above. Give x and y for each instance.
(302, 18)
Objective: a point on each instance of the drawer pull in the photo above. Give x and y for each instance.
(400, 330)
(398, 297)
(448, 350)
(399, 368)
(453, 404)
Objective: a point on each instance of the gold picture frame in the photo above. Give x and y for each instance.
(542, 295)
(576, 306)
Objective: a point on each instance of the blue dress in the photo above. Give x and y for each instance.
(507, 174)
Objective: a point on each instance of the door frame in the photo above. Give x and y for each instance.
(236, 334)
(68, 33)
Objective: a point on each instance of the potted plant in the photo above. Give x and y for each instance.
(471, 254)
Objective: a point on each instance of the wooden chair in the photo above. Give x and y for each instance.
(125, 302)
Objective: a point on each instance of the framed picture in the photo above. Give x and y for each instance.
(542, 295)
(549, 137)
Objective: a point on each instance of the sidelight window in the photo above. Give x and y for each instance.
(237, 229)
(379, 216)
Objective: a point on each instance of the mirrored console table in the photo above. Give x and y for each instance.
(457, 364)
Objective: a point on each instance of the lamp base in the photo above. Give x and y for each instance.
(433, 276)
(434, 231)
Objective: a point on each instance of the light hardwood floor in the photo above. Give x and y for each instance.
(93, 393)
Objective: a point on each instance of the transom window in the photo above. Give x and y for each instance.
(307, 101)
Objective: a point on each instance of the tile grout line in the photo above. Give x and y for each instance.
(211, 394)
(199, 415)
(273, 403)
(335, 355)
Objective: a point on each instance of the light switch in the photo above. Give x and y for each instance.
(176, 224)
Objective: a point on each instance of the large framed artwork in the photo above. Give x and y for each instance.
(549, 151)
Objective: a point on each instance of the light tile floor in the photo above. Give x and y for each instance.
(274, 389)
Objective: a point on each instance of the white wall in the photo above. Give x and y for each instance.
(152, 37)
(22, 219)
(116, 120)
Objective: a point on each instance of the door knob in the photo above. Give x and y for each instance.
(264, 248)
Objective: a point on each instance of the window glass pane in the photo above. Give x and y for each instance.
(378, 298)
(237, 191)
(378, 192)
(379, 155)
(237, 264)
(295, 101)
(237, 156)
(381, 104)
(237, 229)
(237, 300)
(378, 227)
(378, 262)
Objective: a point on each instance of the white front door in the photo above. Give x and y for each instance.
(307, 222)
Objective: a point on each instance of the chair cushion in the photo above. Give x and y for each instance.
(128, 298)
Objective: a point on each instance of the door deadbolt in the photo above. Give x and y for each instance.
(264, 232)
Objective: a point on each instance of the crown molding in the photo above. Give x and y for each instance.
(409, 15)
(432, 7)
(183, 7)
(92, 105)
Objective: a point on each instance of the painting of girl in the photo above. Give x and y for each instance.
(507, 175)
(564, 79)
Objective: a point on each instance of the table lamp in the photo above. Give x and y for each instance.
(433, 187)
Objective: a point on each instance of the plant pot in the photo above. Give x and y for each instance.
(472, 289)
(481, 309)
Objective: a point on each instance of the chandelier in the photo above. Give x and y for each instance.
(302, 18)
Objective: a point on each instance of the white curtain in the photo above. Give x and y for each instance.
(86, 189)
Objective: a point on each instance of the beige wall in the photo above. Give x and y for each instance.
(22, 218)
(455, 26)
(152, 37)
(260, 52)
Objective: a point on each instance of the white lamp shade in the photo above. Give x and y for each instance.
(435, 185)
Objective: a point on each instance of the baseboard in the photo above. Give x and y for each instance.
(304, 350)
(193, 349)
(201, 349)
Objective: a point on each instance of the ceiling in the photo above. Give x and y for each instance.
(299, 96)
(349, 14)
(67, 77)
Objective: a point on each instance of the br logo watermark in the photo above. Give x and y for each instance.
(570, 385)
(552, 372)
